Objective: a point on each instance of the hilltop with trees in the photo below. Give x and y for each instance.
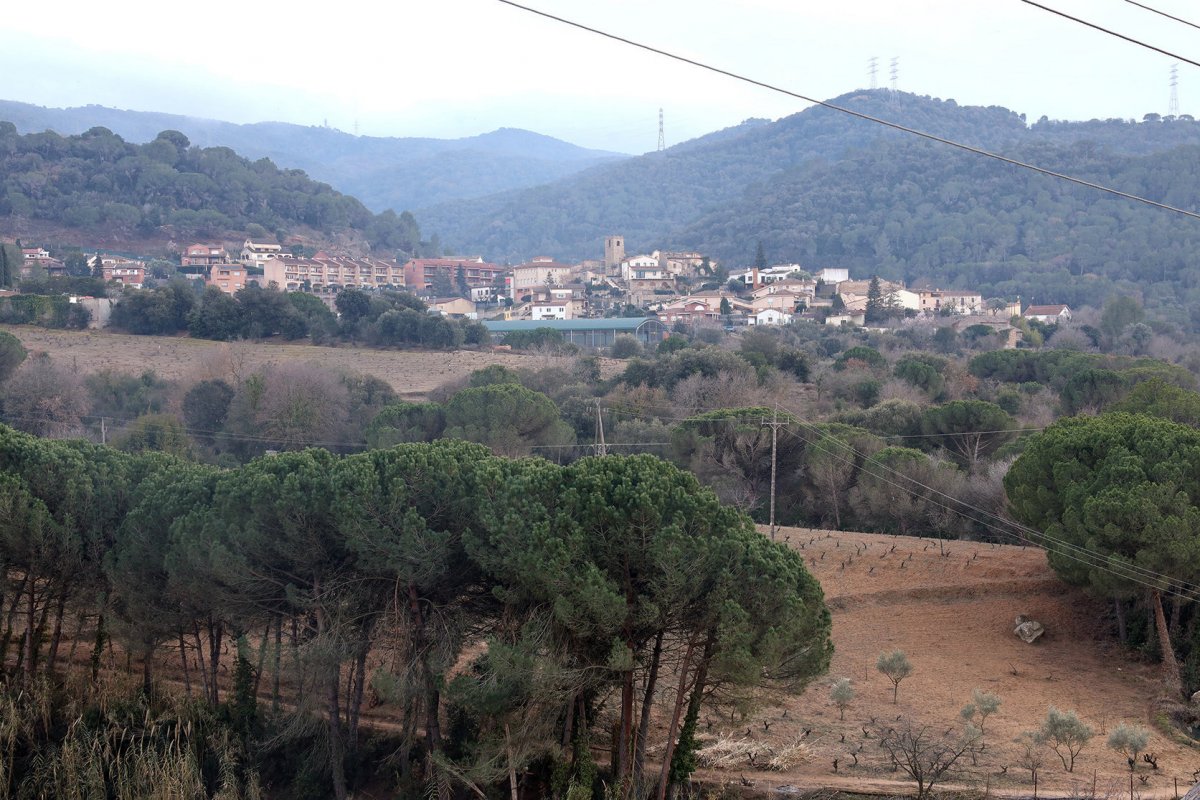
(822, 188)
(383, 172)
(98, 187)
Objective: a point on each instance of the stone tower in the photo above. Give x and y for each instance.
(614, 251)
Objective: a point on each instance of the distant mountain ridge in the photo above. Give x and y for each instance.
(662, 198)
(382, 172)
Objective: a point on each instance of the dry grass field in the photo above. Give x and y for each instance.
(411, 373)
(953, 616)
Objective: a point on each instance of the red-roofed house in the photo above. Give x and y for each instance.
(130, 273)
(203, 255)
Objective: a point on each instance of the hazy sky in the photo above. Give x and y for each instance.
(451, 68)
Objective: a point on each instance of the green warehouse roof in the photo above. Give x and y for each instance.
(611, 324)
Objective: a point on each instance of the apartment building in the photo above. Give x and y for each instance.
(324, 274)
(421, 274)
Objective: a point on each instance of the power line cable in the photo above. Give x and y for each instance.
(1162, 13)
(1133, 572)
(858, 114)
(1109, 31)
(1081, 556)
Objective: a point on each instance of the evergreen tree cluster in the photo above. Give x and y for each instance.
(385, 319)
(569, 593)
(100, 185)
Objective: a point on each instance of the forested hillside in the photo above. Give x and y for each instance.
(102, 186)
(796, 184)
(916, 212)
(383, 172)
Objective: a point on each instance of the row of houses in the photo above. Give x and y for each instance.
(544, 289)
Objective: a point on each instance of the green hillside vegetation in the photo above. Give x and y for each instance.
(383, 172)
(648, 197)
(824, 189)
(98, 184)
(916, 212)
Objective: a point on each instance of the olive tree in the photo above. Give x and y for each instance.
(842, 694)
(982, 705)
(896, 667)
(1129, 740)
(1064, 733)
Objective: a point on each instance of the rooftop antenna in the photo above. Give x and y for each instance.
(872, 68)
(1173, 108)
(895, 73)
(662, 139)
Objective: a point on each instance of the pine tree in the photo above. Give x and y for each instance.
(875, 310)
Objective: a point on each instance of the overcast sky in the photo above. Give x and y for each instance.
(450, 68)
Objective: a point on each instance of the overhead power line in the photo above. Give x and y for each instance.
(1109, 31)
(1162, 13)
(858, 114)
(1135, 573)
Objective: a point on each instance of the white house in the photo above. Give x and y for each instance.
(770, 316)
(549, 309)
(831, 275)
(643, 268)
(1050, 314)
(259, 253)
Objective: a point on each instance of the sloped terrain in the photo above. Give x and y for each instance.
(953, 616)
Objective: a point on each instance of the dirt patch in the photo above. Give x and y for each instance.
(951, 608)
(412, 373)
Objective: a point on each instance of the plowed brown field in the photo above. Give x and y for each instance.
(953, 616)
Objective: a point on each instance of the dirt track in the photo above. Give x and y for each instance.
(953, 616)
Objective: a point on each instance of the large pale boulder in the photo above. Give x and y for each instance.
(1028, 630)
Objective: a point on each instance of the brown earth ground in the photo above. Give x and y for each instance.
(953, 616)
(412, 373)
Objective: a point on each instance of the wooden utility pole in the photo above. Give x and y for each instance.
(774, 425)
(600, 448)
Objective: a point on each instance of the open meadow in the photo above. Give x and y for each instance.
(412, 373)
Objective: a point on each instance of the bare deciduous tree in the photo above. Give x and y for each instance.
(45, 399)
(925, 755)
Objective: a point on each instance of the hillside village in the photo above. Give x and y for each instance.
(678, 290)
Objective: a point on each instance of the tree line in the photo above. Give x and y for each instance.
(503, 611)
(385, 318)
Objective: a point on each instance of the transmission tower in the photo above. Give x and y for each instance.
(1173, 108)
(662, 139)
(872, 67)
(895, 73)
